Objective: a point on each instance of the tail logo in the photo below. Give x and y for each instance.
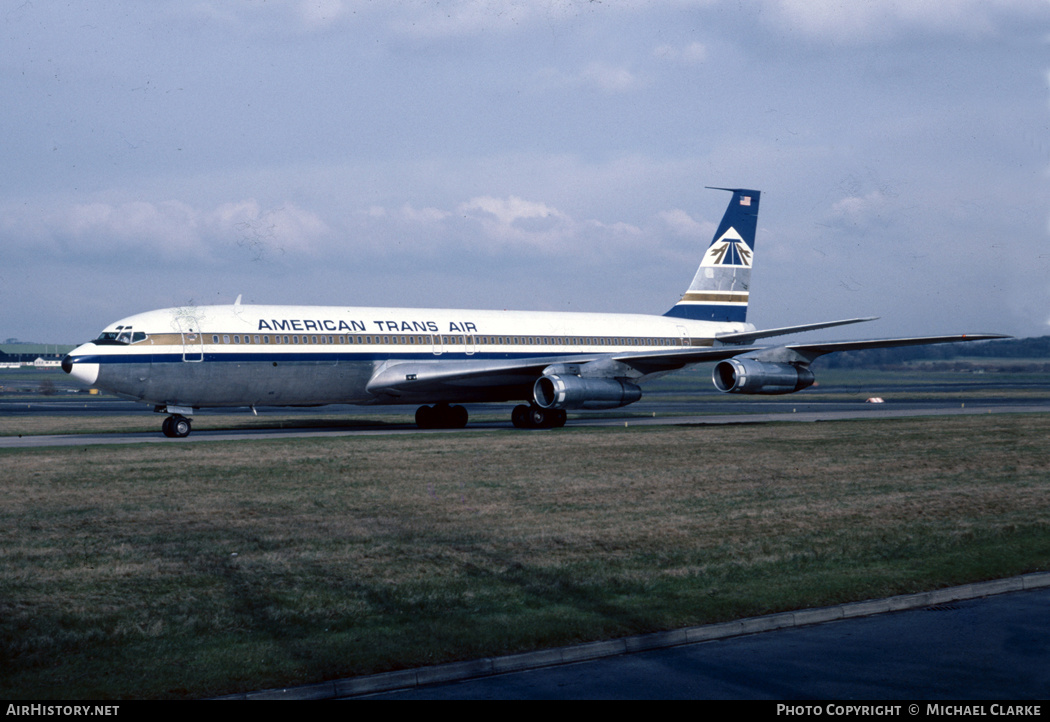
(729, 250)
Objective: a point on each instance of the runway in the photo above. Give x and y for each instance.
(646, 413)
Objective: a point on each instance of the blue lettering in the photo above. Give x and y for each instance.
(263, 326)
(297, 325)
(432, 327)
(310, 325)
(328, 325)
(359, 325)
(280, 325)
(462, 327)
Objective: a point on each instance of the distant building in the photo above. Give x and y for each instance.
(28, 353)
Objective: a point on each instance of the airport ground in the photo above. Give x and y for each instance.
(687, 397)
(177, 569)
(968, 645)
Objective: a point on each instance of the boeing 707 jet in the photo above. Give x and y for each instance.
(183, 359)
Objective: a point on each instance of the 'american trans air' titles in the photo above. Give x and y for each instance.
(182, 359)
(342, 326)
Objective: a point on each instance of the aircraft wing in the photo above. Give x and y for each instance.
(752, 336)
(812, 351)
(406, 378)
(397, 378)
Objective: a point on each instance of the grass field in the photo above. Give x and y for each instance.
(189, 570)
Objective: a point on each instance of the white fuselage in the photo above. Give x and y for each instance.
(248, 355)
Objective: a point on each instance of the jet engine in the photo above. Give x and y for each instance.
(750, 376)
(565, 391)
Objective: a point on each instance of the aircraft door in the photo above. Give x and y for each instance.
(438, 347)
(193, 345)
(188, 324)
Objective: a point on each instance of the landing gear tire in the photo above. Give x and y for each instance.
(441, 416)
(519, 416)
(536, 417)
(176, 427)
(425, 417)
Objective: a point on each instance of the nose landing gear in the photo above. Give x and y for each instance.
(176, 427)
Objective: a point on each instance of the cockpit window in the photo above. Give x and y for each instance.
(123, 335)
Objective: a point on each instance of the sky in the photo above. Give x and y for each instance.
(524, 154)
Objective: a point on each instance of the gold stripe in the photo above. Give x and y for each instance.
(424, 340)
(715, 297)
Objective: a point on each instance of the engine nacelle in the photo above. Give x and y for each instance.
(750, 376)
(563, 391)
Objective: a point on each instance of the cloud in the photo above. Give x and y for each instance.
(496, 225)
(510, 210)
(263, 232)
(316, 14)
(518, 221)
(692, 54)
(414, 215)
(682, 224)
(846, 20)
(168, 230)
(856, 211)
(609, 79)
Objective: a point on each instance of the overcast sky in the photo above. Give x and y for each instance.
(526, 154)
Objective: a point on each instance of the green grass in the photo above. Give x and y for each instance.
(202, 569)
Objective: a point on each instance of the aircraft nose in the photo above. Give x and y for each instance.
(79, 367)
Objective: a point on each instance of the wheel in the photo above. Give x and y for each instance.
(180, 427)
(441, 416)
(166, 428)
(425, 417)
(519, 416)
(540, 418)
(457, 417)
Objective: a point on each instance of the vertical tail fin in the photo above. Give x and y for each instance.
(720, 287)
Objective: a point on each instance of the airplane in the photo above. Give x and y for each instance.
(192, 357)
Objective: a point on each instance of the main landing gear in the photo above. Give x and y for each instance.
(536, 417)
(176, 427)
(441, 416)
